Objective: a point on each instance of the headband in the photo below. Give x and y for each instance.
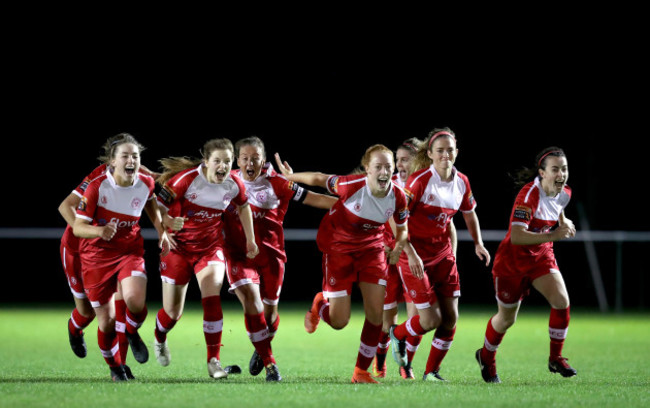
(438, 134)
(539, 163)
(410, 146)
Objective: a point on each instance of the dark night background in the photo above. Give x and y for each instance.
(320, 107)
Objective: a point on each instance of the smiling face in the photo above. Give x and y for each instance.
(554, 175)
(125, 163)
(250, 161)
(218, 165)
(379, 171)
(443, 152)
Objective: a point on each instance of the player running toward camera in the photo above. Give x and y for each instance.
(83, 313)
(112, 249)
(194, 195)
(525, 258)
(436, 192)
(351, 239)
(257, 282)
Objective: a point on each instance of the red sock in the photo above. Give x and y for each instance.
(78, 322)
(274, 327)
(164, 324)
(135, 320)
(212, 325)
(492, 340)
(412, 344)
(109, 347)
(368, 347)
(384, 343)
(558, 326)
(120, 327)
(440, 345)
(259, 335)
(411, 327)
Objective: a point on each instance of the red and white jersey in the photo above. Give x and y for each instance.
(537, 212)
(104, 202)
(189, 194)
(68, 239)
(389, 237)
(269, 196)
(357, 220)
(434, 202)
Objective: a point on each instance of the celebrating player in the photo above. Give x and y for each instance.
(112, 249)
(194, 195)
(436, 192)
(83, 314)
(525, 258)
(257, 282)
(351, 239)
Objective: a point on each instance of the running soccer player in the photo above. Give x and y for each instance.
(525, 258)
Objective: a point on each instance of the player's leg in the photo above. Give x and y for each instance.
(210, 280)
(552, 287)
(373, 305)
(134, 291)
(173, 301)
(443, 337)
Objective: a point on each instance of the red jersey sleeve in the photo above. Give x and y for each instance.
(240, 199)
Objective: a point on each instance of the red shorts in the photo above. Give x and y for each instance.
(395, 291)
(269, 274)
(100, 279)
(178, 268)
(511, 289)
(440, 279)
(341, 270)
(72, 268)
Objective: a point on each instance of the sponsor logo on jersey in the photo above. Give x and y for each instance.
(523, 213)
(123, 223)
(166, 195)
(82, 204)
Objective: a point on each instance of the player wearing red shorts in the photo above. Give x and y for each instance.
(351, 239)
(525, 258)
(257, 282)
(436, 192)
(194, 196)
(83, 314)
(112, 249)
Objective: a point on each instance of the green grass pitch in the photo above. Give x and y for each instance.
(610, 351)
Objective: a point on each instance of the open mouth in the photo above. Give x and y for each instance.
(250, 173)
(221, 176)
(383, 183)
(559, 184)
(130, 171)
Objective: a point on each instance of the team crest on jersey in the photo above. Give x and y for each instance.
(136, 203)
(82, 204)
(227, 198)
(103, 199)
(357, 207)
(261, 196)
(430, 197)
(389, 212)
(523, 213)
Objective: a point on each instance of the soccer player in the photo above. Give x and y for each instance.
(525, 258)
(83, 314)
(257, 282)
(350, 237)
(436, 192)
(112, 249)
(194, 195)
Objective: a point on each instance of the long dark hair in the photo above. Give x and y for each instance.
(525, 174)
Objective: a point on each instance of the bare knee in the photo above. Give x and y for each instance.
(339, 323)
